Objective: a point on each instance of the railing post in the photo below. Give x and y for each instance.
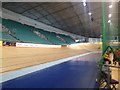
(108, 77)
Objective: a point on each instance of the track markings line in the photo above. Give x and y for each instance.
(18, 73)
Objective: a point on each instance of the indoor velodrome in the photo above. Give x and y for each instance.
(58, 44)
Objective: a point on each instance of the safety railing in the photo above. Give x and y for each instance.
(108, 66)
(110, 79)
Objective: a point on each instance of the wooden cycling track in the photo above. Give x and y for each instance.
(14, 58)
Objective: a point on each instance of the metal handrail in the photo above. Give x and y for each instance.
(108, 74)
(113, 66)
(102, 60)
(110, 65)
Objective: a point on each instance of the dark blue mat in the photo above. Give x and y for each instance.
(71, 74)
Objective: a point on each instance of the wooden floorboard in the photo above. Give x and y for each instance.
(14, 58)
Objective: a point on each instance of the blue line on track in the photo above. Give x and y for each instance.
(77, 73)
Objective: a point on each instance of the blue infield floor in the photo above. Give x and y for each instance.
(77, 73)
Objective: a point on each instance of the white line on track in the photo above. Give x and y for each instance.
(18, 73)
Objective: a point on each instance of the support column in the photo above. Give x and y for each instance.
(104, 41)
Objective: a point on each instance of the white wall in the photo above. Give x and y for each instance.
(94, 40)
(19, 18)
(36, 45)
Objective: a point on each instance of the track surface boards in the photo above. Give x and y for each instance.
(78, 73)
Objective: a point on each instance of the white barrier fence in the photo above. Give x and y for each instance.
(36, 45)
(95, 40)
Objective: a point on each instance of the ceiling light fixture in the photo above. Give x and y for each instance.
(90, 13)
(109, 21)
(84, 4)
(84, 1)
(110, 6)
(110, 15)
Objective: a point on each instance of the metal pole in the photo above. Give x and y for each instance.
(108, 77)
(104, 41)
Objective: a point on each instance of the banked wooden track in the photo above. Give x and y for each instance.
(14, 58)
